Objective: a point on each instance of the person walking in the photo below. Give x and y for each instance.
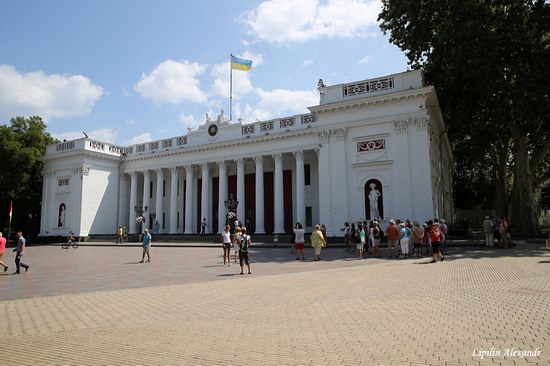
(147, 239)
(443, 227)
(393, 236)
(299, 232)
(244, 244)
(203, 227)
(488, 229)
(504, 233)
(2, 250)
(157, 227)
(317, 242)
(120, 239)
(226, 243)
(436, 237)
(19, 251)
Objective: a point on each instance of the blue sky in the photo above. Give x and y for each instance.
(133, 71)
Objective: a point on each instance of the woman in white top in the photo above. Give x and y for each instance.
(226, 242)
(299, 231)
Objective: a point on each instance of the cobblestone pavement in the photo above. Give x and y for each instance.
(475, 308)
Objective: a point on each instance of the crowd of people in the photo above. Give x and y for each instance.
(405, 238)
(498, 229)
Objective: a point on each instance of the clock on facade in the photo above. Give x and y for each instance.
(212, 130)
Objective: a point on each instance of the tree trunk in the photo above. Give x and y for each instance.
(524, 217)
(501, 201)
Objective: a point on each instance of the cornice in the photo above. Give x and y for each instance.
(83, 153)
(224, 145)
(368, 101)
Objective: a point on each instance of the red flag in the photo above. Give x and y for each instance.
(11, 210)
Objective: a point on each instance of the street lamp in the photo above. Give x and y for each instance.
(140, 210)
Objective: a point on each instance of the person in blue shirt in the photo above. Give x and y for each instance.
(146, 246)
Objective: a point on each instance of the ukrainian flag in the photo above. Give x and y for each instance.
(240, 63)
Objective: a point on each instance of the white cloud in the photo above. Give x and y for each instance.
(307, 62)
(277, 103)
(365, 60)
(144, 137)
(189, 121)
(287, 21)
(101, 134)
(173, 82)
(48, 96)
(241, 81)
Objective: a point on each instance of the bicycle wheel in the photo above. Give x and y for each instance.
(75, 244)
(65, 245)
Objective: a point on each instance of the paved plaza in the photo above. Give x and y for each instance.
(98, 306)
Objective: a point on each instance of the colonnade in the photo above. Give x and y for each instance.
(191, 172)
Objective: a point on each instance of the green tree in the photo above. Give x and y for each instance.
(22, 144)
(489, 62)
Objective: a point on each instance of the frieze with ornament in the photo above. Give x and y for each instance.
(63, 182)
(371, 145)
(266, 126)
(97, 145)
(166, 143)
(65, 146)
(287, 122)
(181, 140)
(248, 130)
(308, 118)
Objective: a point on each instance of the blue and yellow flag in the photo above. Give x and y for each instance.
(240, 63)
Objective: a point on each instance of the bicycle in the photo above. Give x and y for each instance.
(70, 242)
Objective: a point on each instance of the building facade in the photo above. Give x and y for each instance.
(372, 148)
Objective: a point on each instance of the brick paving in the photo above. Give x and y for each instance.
(186, 308)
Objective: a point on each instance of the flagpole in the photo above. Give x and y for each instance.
(230, 89)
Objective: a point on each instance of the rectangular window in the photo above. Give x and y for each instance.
(309, 217)
(307, 174)
(163, 188)
(163, 219)
(151, 189)
(178, 219)
(178, 188)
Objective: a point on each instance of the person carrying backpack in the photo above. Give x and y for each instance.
(243, 250)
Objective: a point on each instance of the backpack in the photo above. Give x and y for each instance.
(244, 243)
(435, 235)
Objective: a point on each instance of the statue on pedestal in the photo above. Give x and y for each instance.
(231, 206)
(373, 199)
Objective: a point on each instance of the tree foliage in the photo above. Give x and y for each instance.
(22, 143)
(489, 62)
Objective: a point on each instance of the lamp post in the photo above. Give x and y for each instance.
(140, 210)
(231, 205)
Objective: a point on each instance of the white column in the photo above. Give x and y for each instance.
(174, 200)
(158, 198)
(132, 226)
(222, 196)
(146, 195)
(240, 190)
(45, 207)
(189, 200)
(205, 197)
(300, 188)
(324, 181)
(278, 194)
(259, 160)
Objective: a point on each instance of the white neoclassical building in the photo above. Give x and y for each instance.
(375, 147)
